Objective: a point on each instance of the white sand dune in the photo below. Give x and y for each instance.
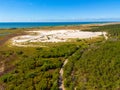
(54, 36)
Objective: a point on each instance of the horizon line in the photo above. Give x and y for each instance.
(67, 20)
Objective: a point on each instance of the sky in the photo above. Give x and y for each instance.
(58, 10)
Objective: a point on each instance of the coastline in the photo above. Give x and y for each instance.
(31, 25)
(69, 27)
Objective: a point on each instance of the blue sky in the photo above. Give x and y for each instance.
(59, 10)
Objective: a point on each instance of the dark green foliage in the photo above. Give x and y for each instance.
(59, 51)
(55, 86)
(97, 67)
(7, 54)
(37, 68)
(113, 31)
(7, 78)
(20, 52)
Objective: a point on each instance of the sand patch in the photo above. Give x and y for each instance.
(53, 36)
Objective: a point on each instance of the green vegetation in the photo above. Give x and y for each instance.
(97, 67)
(93, 64)
(35, 68)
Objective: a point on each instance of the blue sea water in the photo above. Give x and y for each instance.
(40, 24)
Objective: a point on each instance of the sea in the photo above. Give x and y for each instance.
(4, 25)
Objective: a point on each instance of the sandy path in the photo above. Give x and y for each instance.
(105, 35)
(2, 67)
(61, 82)
(2, 87)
